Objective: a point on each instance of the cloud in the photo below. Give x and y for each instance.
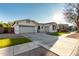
(58, 17)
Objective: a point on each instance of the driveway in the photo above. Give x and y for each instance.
(62, 46)
(40, 51)
(43, 38)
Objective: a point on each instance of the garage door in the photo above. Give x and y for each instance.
(27, 29)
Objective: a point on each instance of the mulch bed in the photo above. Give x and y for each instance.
(75, 35)
(40, 51)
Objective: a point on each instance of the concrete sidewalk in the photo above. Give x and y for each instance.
(66, 47)
(18, 49)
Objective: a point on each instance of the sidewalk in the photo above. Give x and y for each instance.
(66, 46)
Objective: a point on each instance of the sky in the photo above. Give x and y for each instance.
(40, 12)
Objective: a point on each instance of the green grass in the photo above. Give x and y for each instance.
(12, 41)
(57, 33)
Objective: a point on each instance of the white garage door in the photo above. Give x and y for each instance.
(27, 29)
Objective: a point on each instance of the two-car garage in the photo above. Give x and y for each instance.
(25, 26)
(26, 29)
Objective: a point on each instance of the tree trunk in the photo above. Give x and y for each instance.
(77, 23)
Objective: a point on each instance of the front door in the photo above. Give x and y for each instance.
(38, 29)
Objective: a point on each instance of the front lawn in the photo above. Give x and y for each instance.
(57, 33)
(12, 41)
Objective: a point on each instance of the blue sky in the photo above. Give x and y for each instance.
(38, 12)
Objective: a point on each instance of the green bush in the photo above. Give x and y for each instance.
(1, 30)
(1, 25)
(8, 30)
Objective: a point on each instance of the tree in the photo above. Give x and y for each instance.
(1, 28)
(1, 25)
(71, 13)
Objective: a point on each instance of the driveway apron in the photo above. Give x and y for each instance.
(42, 38)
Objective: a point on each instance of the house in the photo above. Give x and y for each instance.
(25, 26)
(63, 27)
(72, 28)
(48, 27)
(30, 26)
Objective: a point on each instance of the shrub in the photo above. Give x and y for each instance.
(10, 30)
(5, 30)
(1, 25)
(1, 30)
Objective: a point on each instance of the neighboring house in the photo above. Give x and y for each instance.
(30, 26)
(63, 27)
(48, 27)
(72, 28)
(25, 26)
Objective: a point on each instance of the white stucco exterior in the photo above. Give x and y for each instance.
(29, 26)
(49, 27)
(25, 26)
(16, 29)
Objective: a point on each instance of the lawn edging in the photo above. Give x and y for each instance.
(17, 49)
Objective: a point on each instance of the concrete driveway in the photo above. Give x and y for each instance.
(43, 38)
(62, 46)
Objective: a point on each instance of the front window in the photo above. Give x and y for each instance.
(54, 27)
(41, 27)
